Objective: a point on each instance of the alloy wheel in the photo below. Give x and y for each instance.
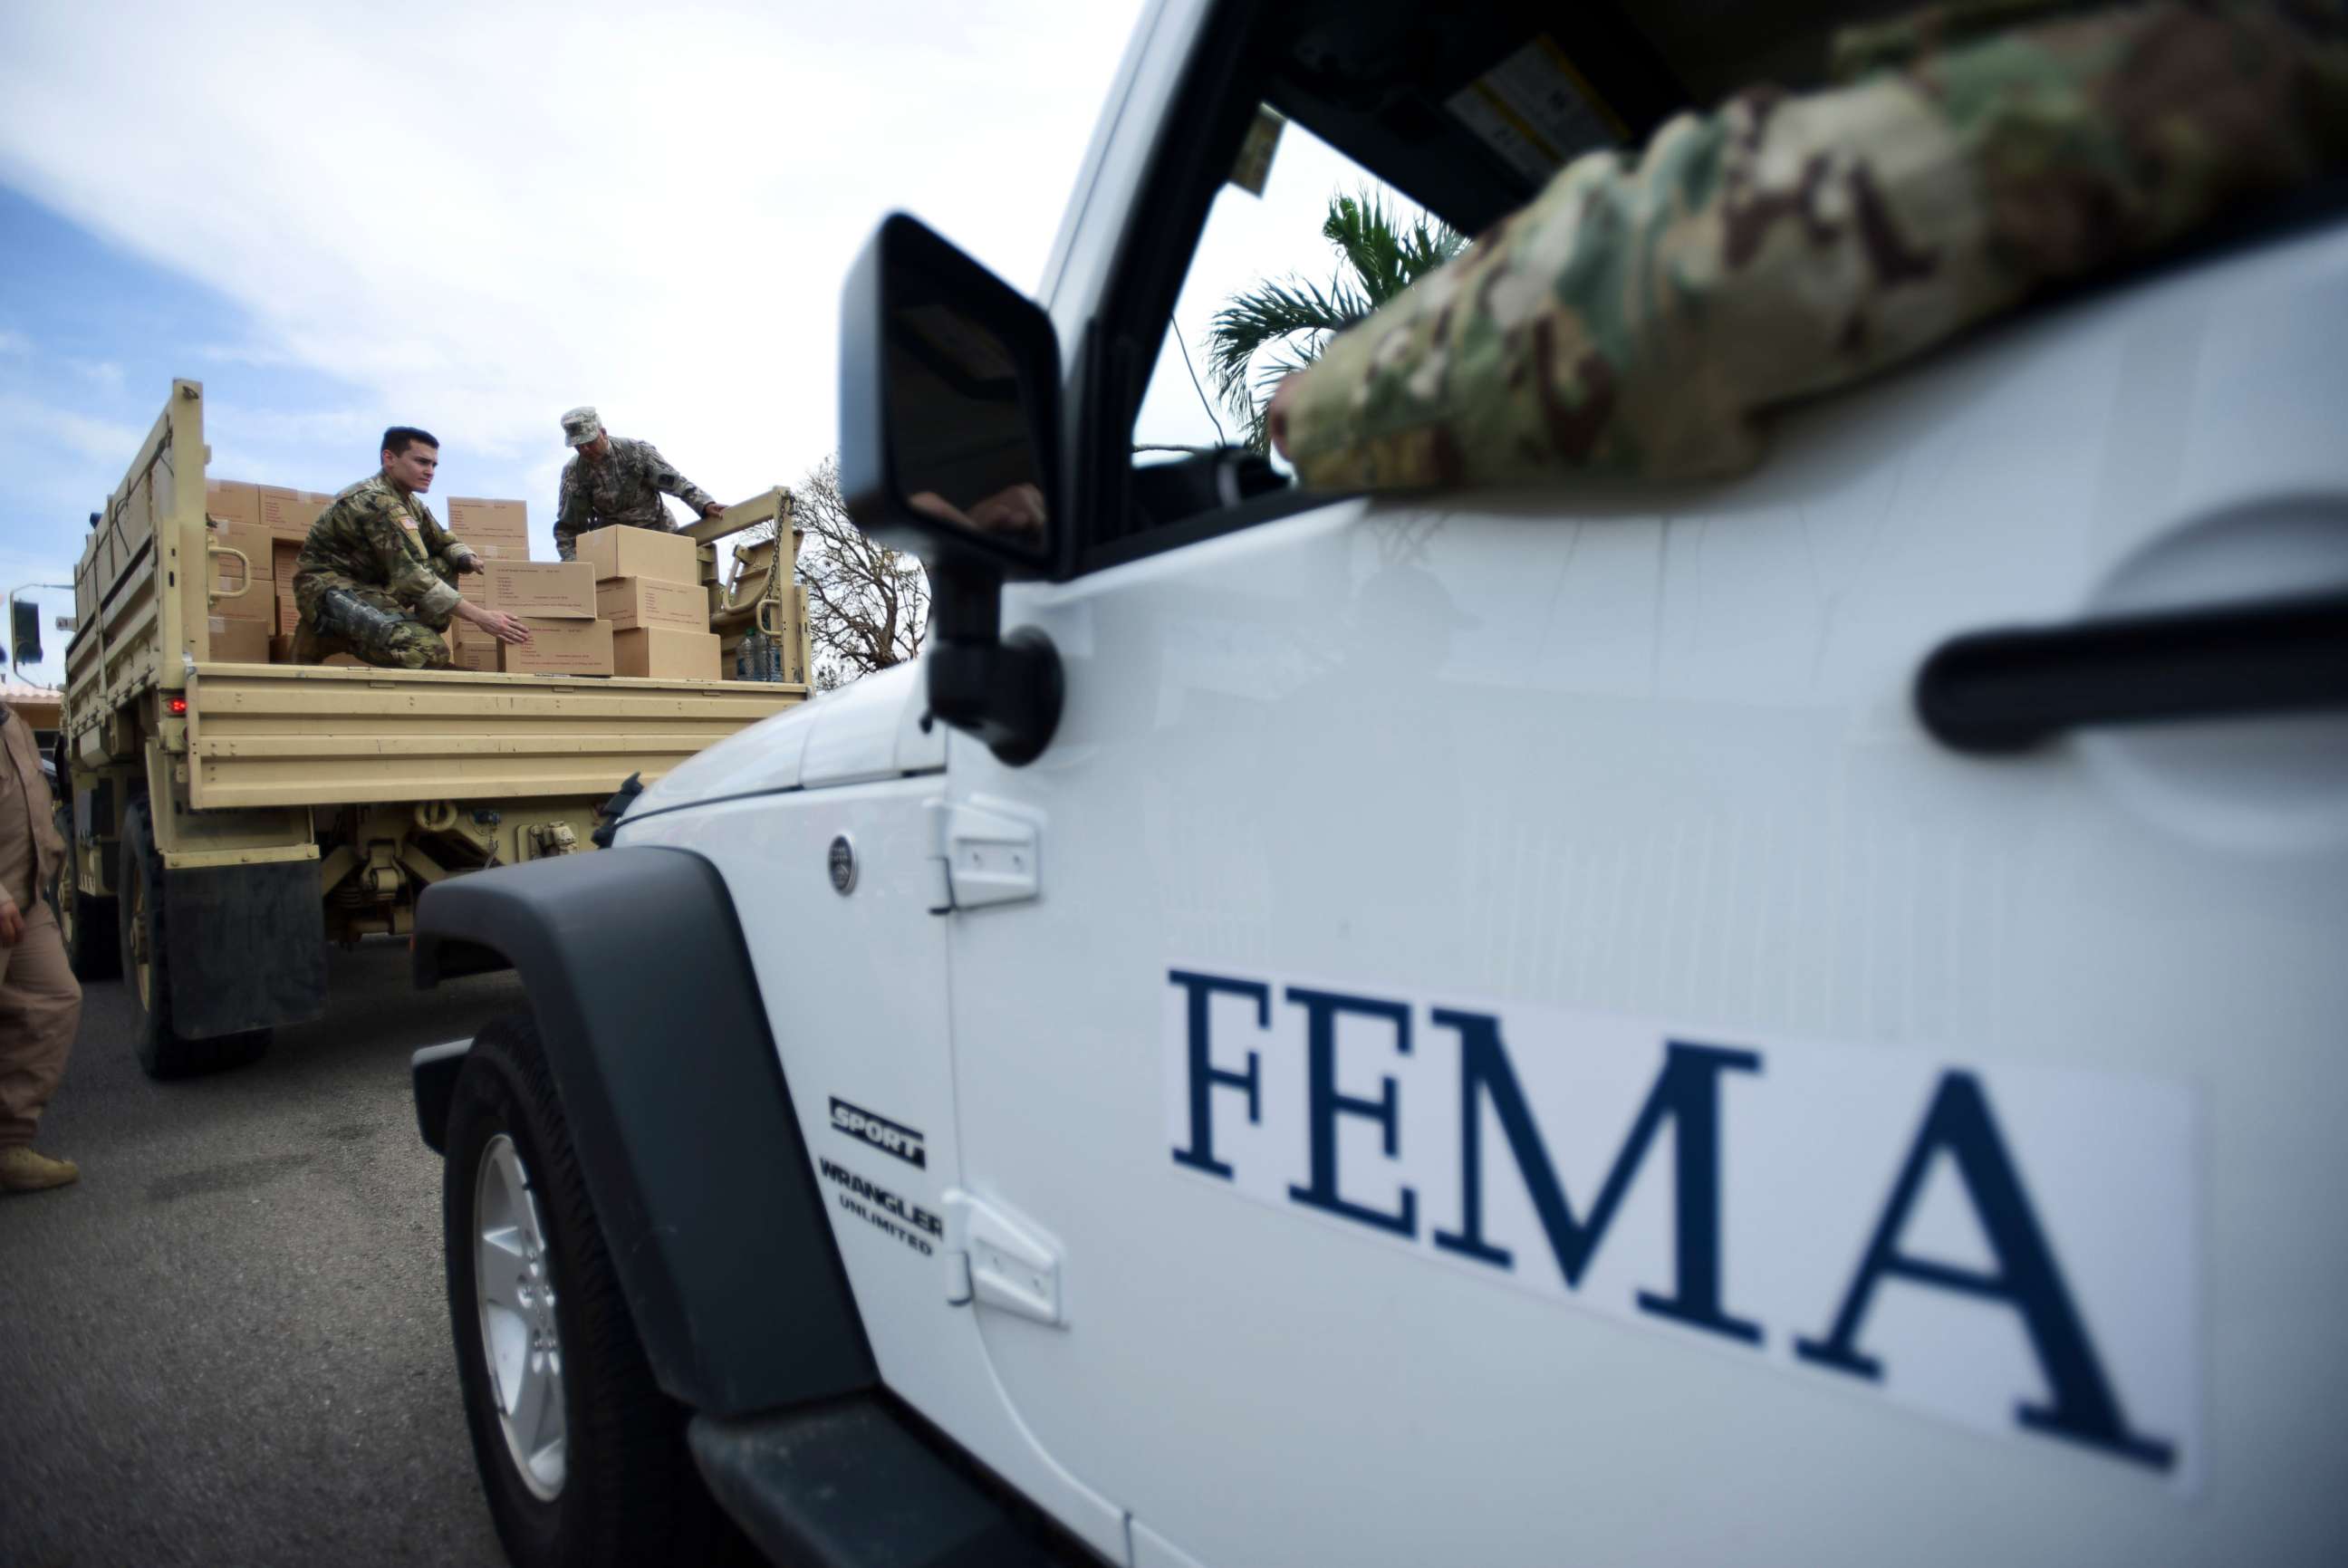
(514, 1286)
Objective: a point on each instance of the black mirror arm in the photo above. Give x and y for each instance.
(1005, 691)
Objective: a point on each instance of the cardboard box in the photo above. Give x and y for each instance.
(665, 653)
(471, 648)
(491, 548)
(284, 565)
(629, 603)
(553, 590)
(500, 534)
(237, 642)
(641, 552)
(258, 603)
(559, 647)
(232, 500)
(288, 513)
(495, 546)
(284, 561)
(479, 653)
(509, 518)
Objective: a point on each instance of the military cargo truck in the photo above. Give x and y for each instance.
(227, 820)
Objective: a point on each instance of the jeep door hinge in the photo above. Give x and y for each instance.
(984, 855)
(995, 1259)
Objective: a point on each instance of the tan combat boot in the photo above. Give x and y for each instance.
(24, 1169)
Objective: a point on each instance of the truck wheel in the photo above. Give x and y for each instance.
(162, 1052)
(90, 926)
(582, 1457)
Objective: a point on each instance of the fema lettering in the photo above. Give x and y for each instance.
(1242, 1050)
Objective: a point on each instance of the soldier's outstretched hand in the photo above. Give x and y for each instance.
(505, 628)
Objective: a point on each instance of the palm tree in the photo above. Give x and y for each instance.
(1289, 322)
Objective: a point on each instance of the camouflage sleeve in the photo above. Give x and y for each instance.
(1636, 317)
(404, 559)
(439, 544)
(571, 513)
(663, 475)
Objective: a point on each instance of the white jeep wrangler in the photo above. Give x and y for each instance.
(1802, 1019)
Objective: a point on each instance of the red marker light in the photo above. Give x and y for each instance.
(179, 707)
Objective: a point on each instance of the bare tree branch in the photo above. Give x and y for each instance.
(867, 606)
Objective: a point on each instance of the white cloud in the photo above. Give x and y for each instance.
(240, 426)
(103, 374)
(475, 217)
(242, 354)
(31, 422)
(14, 345)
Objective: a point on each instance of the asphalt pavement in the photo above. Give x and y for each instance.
(229, 1342)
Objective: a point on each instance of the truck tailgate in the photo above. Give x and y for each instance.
(285, 735)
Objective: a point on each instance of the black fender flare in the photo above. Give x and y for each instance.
(679, 1108)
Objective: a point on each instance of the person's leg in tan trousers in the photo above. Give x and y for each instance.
(40, 1009)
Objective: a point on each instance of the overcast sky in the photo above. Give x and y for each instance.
(470, 218)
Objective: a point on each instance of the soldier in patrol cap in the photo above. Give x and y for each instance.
(617, 481)
(378, 573)
(1644, 313)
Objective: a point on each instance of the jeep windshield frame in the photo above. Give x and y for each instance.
(1393, 84)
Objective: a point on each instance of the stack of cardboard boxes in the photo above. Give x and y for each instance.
(556, 599)
(632, 604)
(648, 588)
(266, 525)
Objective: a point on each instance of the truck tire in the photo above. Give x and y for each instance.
(163, 1053)
(90, 926)
(582, 1457)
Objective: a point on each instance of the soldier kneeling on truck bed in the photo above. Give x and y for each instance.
(378, 578)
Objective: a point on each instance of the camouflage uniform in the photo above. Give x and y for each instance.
(1637, 317)
(625, 489)
(387, 551)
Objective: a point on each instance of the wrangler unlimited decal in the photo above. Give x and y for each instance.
(885, 1211)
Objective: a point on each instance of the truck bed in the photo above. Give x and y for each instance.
(290, 735)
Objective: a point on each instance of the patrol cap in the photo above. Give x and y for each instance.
(581, 425)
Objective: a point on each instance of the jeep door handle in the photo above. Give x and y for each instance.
(2000, 692)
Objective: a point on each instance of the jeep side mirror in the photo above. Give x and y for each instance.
(949, 445)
